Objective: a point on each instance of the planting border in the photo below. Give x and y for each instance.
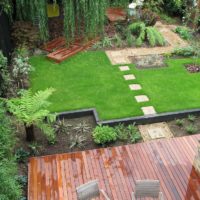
(138, 120)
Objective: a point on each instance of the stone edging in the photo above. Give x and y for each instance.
(138, 120)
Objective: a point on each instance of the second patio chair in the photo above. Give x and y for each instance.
(147, 188)
(90, 190)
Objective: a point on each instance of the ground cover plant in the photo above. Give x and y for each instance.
(9, 187)
(88, 80)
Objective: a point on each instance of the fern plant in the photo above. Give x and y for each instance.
(31, 110)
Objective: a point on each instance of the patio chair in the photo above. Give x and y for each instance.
(147, 188)
(90, 190)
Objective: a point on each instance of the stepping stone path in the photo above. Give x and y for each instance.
(135, 87)
(129, 77)
(141, 98)
(123, 56)
(155, 131)
(149, 110)
(124, 68)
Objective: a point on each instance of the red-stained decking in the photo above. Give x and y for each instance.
(59, 52)
(55, 177)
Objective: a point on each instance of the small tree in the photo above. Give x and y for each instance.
(31, 110)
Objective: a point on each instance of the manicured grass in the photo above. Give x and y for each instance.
(88, 80)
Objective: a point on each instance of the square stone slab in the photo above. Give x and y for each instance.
(129, 77)
(141, 98)
(149, 110)
(124, 68)
(135, 87)
(155, 131)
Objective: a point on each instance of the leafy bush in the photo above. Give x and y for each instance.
(122, 132)
(138, 29)
(148, 17)
(150, 34)
(117, 40)
(179, 122)
(184, 32)
(9, 187)
(134, 133)
(167, 18)
(130, 133)
(186, 51)
(154, 5)
(191, 118)
(175, 7)
(21, 66)
(21, 155)
(104, 134)
(191, 129)
(4, 75)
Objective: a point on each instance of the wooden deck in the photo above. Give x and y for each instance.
(55, 177)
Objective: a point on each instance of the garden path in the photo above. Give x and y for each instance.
(174, 41)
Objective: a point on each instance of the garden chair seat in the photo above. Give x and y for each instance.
(90, 190)
(147, 188)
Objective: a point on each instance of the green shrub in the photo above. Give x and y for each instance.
(151, 36)
(154, 5)
(138, 29)
(130, 39)
(4, 75)
(121, 131)
(191, 118)
(185, 52)
(117, 40)
(9, 187)
(184, 32)
(142, 33)
(134, 133)
(179, 122)
(191, 129)
(104, 134)
(130, 133)
(160, 40)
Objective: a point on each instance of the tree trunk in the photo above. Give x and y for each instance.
(30, 133)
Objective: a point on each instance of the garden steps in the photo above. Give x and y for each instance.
(58, 51)
(54, 44)
(122, 56)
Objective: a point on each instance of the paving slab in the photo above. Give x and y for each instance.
(141, 98)
(149, 110)
(124, 68)
(135, 87)
(129, 77)
(155, 131)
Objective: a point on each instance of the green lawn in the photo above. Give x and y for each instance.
(88, 80)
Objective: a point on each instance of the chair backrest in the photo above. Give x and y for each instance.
(147, 188)
(88, 190)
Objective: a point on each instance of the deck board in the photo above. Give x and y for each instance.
(56, 177)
